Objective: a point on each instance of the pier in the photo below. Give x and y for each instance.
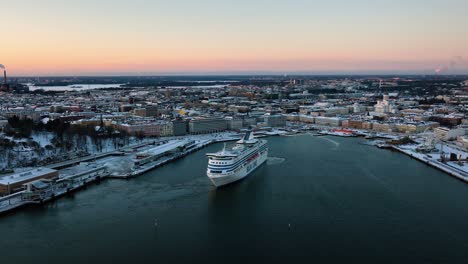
(433, 162)
(120, 164)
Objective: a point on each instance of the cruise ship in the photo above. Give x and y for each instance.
(228, 166)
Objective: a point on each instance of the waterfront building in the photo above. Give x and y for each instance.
(14, 182)
(160, 151)
(234, 123)
(367, 125)
(179, 127)
(445, 133)
(166, 129)
(383, 127)
(345, 123)
(275, 120)
(328, 121)
(356, 124)
(249, 121)
(207, 125)
(411, 128)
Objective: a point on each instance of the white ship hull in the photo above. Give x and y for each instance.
(222, 179)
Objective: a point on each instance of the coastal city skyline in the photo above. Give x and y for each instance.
(124, 37)
(234, 131)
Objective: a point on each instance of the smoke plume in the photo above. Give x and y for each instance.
(2, 66)
(452, 64)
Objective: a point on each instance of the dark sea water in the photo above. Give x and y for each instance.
(317, 200)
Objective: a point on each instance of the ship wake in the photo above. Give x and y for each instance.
(337, 144)
(275, 160)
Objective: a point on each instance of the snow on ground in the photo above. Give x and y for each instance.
(457, 168)
(42, 138)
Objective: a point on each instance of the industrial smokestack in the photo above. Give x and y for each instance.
(4, 74)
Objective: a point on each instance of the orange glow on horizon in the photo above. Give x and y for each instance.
(54, 38)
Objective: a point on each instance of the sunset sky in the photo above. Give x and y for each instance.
(92, 37)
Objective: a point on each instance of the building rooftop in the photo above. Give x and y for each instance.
(24, 176)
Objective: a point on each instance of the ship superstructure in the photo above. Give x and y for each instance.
(231, 165)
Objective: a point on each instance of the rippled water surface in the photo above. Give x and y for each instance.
(328, 199)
